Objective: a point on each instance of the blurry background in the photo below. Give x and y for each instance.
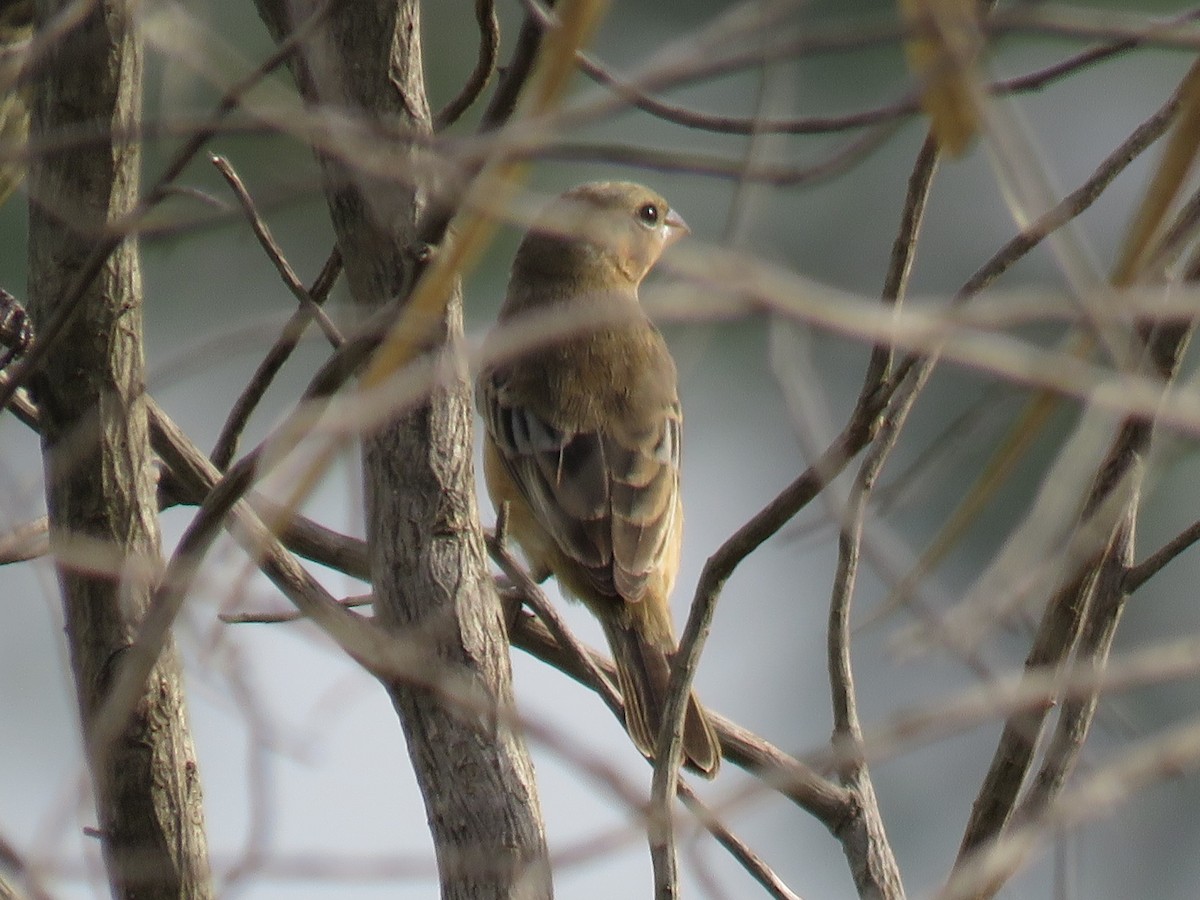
(307, 786)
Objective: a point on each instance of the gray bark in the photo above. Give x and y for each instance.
(428, 560)
(100, 487)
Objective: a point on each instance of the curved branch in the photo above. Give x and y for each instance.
(485, 65)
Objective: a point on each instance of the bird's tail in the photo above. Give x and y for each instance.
(643, 671)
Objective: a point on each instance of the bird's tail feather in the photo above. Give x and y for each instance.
(643, 672)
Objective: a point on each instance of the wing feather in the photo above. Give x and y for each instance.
(609, 495)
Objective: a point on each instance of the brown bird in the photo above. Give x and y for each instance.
(583, 439)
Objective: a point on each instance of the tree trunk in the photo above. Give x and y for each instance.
(428, 560)
(100, 488)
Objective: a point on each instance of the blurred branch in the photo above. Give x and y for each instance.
(1167, 757)
(1177, 161)
(25, 542)
(11, 862)
(914, 369)
(1109, 25)
(222, 495)
(634, 95)
(189, 481)
(1081, 620)
(184, 481)
(288, 615)
(1163, 186)
(777, 175)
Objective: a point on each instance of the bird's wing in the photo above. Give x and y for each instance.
(608, 497)
(643, 471)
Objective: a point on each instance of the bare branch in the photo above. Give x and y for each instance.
(750, 861)
(514, 76)
(275, 253)
(98, 469)
(485, 64)
(907, 106)
(1082, 619)
(1153, 564)
(1099, 792)
(116, 232)
(871, 860)
(784, 176)
(288, 340)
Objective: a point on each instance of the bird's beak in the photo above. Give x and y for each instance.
(676, 227)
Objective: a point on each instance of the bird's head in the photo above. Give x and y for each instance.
(608, 232)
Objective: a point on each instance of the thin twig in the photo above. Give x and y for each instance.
(828, 802)
(49, 331)
(675, 160)
(1153, 564)
(721, 565)
(268, 368)
(909, 369)
(286, 615)
(873, 864)
(275, 252)
(1075, 203)
(808, 125)
(514, 76)
(738, 849)
(485, 65)
(903, 255)
(535, 599)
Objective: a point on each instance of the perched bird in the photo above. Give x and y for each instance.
(583, 439)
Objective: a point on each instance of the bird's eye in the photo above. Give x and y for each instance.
(649, 213)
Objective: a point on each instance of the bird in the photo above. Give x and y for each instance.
(583, 438)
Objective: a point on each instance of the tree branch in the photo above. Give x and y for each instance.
(485, 64)
(99, 478)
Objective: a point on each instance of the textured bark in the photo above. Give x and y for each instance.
(428, 559)
(99, 481)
